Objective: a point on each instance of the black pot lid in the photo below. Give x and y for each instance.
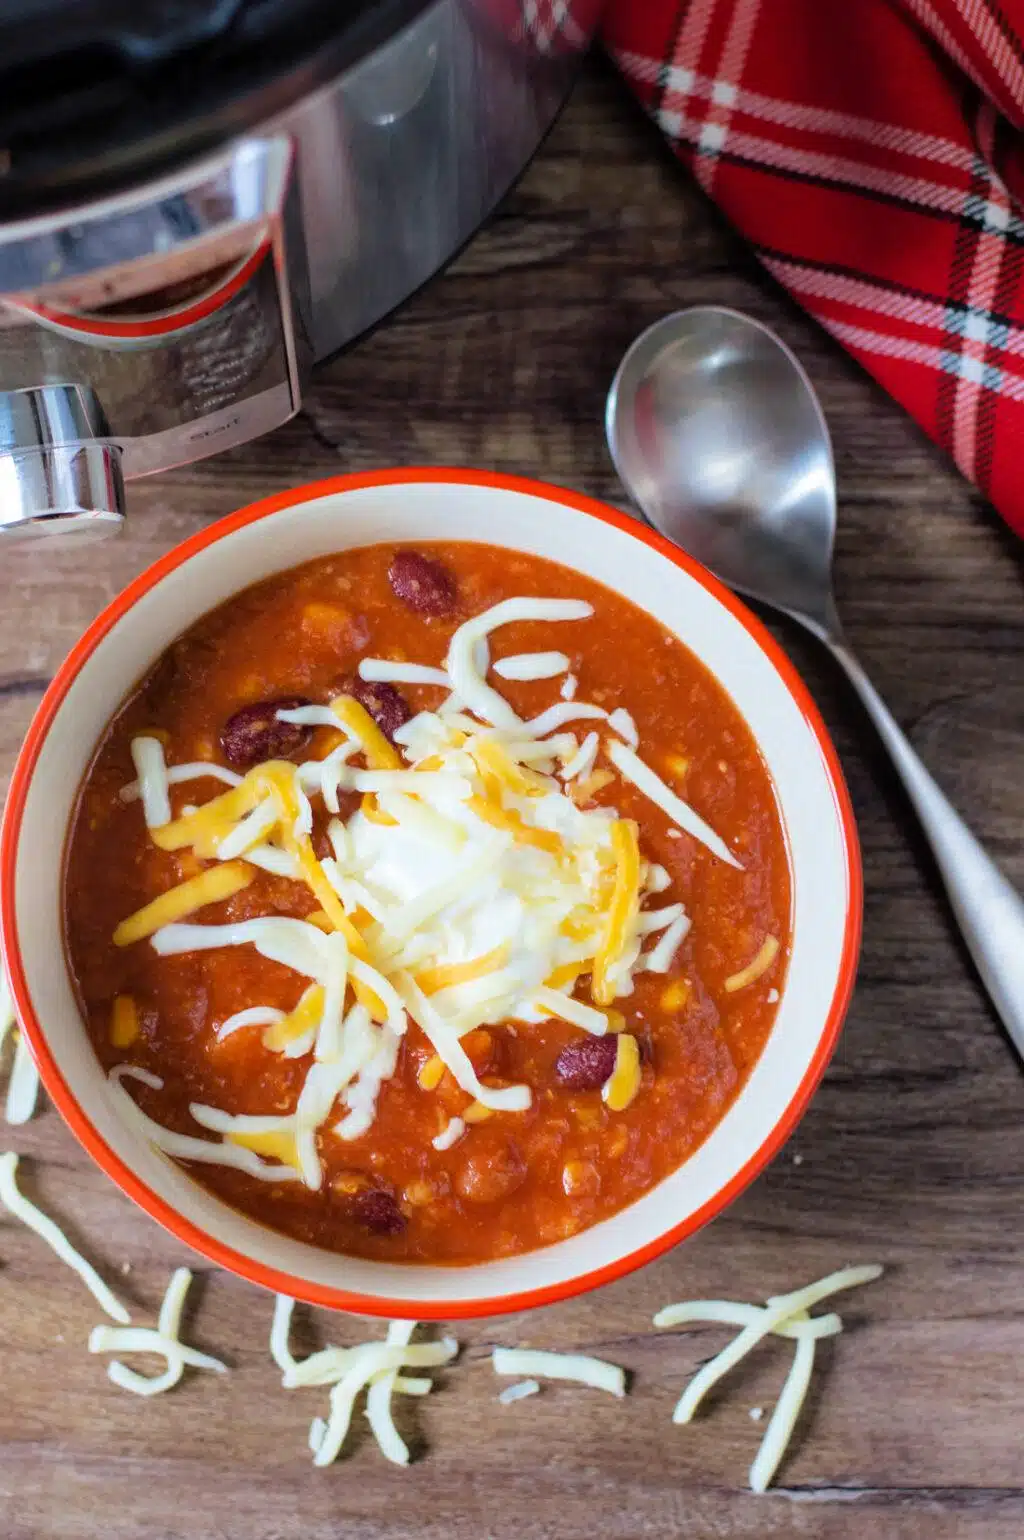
(98, 94)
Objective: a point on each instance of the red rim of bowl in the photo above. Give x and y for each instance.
(225, 1256)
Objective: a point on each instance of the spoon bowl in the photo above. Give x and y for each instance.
(717, 434)
(715, 429)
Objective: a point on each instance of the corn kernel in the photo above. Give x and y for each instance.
(476, 1112)
(329, 618)
(580, 1178)
(431, 1073)
(350, 1182)
(586, 1117)
(124, 1022)
(675, 995)
(419, 1194)
(618, 1141)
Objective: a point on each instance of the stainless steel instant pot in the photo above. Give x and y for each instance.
(201, 198)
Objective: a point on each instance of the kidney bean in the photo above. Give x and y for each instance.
(388, 706)
(254, 733)
(422, 583)
(378, 1211)
(585, 1066)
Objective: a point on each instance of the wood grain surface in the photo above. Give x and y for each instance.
(912, 1153)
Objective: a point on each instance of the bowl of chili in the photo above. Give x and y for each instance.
(491, 1150)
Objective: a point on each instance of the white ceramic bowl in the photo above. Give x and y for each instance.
(413, 506)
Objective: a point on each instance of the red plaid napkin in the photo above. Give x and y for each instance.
(870, 152)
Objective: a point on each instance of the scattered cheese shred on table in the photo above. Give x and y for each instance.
(784, 1315)
(378, 1400)
(578, 1367)
(164, 1341)
(23, 1085)
(280, 1328)
(17, 1204)
(372, 1366)
(518, 1392)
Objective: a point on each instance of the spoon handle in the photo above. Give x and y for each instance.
(989, 911)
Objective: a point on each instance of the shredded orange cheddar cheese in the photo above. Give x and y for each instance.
(430, 980)
(277, 1146)
(511, 821)
(379, 753)
(299, 1021)
(622, 910)
(210, 887)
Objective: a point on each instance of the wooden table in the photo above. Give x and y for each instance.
(913, 1151)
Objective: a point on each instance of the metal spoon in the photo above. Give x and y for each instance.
(717, 434)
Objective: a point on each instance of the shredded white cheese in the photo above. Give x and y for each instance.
(23, 1085)
(518, 1392)
(775, 1312)
(658, 879)
(662, 955)
(332, 775)
(373, 1366)
(312, 716)
(378, 1400)
(249, 832)
(570, 1009)
(165, 1341)
(184, 1146)
(578, 1367)
(254, 1016)
(449, 1135)
(784, 1315)
(280, 1328)
(784, 1418)
(17, 1204)
(468, 681)
(623, 724)
(279, 863)
(654, 788)
(532, 665)
(177, 775)
(728, 1312)
(582, 762)
(566, 711)
(382, 671)
(364, 1364)
(151, 769)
